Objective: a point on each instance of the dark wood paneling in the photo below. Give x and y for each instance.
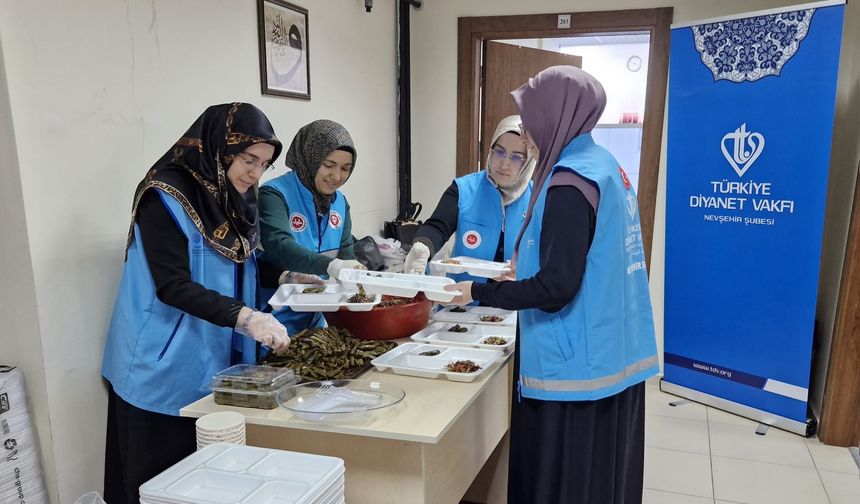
(468, 51)
(840, 416)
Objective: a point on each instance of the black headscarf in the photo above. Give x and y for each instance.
(194, 171)
(311, 145)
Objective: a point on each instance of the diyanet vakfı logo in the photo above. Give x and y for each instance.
(746, 147)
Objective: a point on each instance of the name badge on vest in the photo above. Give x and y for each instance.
(298, 222)
(471, 239)
(335, 219)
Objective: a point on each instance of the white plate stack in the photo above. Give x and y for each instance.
(220, 427)
(20, 471)
(228, 474)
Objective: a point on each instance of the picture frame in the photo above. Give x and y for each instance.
(284, 49)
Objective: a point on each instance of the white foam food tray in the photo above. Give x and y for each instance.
(473, 315)
(226, 474)
(399, 284)
(331, 299)
(472, 266)
(474, 336)
(406, 359)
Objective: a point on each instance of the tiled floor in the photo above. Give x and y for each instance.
(697, 455)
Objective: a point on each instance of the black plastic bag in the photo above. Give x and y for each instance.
(367, 253)
(404, 227)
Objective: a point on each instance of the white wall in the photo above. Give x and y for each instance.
(625, 90)
(98, 90)
(20, 344)
(434, 109)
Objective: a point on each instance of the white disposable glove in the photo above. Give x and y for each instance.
(510, 275)
(336, 265)
(292, 277)
(465, 290)
(416, 260)
(263, 327)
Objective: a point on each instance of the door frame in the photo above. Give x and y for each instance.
(473, 32)
(839, 424)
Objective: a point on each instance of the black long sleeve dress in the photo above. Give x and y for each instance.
(568, 451)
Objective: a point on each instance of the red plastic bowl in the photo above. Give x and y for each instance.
(391, 322)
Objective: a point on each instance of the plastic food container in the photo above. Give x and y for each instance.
(330, 298)
(472, 266)
(487, 337)
(475, 315)
(223, 473)
(399, 284)
(250, 386)
(431, 361)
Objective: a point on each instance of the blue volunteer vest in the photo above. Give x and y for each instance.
(481, 218)
(159, 358)
(603, 341)
(320, 237)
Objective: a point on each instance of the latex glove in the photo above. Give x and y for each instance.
(292, 277)
(416, 260)
(262, 327)
(510, 275)
(336, 265)
(465, 296)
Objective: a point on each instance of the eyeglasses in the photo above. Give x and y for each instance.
(252, 162)
(516, 158)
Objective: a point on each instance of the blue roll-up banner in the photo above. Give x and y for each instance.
(751, 106)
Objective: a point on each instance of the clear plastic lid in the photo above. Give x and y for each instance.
(248, 377)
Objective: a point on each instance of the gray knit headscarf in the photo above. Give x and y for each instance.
(311, 145)
(511, 124)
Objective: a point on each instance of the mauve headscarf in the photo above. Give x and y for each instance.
(556, 105)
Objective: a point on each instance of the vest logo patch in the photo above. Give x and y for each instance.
(624, 178)
(335, 219)
(472, 239)
(298, 222)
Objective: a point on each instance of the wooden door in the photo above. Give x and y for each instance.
(507, 67)
(840, 415)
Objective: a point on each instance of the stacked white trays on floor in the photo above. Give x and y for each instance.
(227, 474)
(20, 471)
(220, 427)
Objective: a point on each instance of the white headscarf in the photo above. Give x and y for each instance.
(510, 124)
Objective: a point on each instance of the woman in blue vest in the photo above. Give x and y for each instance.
(485, 209)
(305, 220)
(586, 334)
(188, 287)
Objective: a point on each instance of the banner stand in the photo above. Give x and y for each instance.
(805, 429)
(750, 122)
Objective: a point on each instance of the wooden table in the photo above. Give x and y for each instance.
(430, 448)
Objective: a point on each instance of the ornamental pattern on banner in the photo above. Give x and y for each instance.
(751, 48)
